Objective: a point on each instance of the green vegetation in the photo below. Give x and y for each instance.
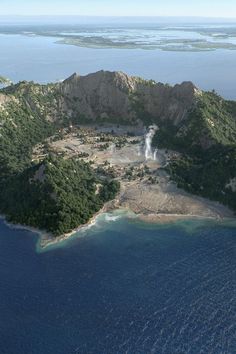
(19, 134)
(138, 106)
(207, 140)
(66, 194)
(5, 80)
(56, 195)
(59, 194)
(178, 45)
(212, 121)
(208, 176)
(30, 115)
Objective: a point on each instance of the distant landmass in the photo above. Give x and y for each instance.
(5, 80)
(65, 149)
(165, 34)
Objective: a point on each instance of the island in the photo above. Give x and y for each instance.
(107, 141)
(5, 81)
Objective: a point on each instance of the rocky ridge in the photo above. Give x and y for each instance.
(200, 126)
(113, 95)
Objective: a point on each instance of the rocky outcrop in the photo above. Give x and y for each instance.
(105, 95)
(99, 95)
(114, 95)
(3, 100)
(167, 102)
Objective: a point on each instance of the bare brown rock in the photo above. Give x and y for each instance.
(110, 95)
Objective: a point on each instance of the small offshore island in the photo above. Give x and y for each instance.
(5, 81)
(107, 141)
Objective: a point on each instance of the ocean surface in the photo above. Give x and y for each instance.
(204, 55)
(121, 287)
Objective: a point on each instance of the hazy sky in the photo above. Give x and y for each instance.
(206, 8)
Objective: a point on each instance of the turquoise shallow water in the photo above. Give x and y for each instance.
(121, 287)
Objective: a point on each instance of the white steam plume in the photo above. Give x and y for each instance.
(148, 143)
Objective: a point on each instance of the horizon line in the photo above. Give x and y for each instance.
(119, 16)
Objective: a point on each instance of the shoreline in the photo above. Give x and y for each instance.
(46, 241)
(149, 194)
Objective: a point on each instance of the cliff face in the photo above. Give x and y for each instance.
(116, 95)
(99, 95)
(104, 95)
(201, 125)
(185, 115)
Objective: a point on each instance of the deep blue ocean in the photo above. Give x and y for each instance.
(121, 287)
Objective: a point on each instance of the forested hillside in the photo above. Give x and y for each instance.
(199, 125)
(65, 195)
(56, 195)
(207, 140)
